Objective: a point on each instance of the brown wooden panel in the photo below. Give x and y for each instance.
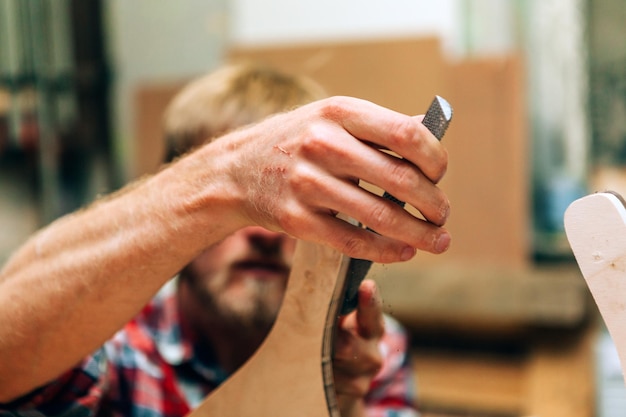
(402, 74)
(488, 173)
(150, 102)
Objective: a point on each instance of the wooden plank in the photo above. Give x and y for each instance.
(489, 300)
(403, 74)
(488, 178)
(285, 376)
(150, 102)
(596, 229)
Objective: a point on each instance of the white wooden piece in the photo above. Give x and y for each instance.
(596, 229)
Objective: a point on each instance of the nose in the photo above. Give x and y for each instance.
(265, 241)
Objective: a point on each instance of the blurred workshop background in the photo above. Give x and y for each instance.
(502, 325)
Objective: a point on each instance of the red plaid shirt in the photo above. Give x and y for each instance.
(151, 368)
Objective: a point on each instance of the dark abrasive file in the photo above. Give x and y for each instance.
(436, 119)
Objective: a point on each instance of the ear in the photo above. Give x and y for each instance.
(596, 230)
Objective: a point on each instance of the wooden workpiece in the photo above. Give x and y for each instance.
(596, 229)
(290, 374)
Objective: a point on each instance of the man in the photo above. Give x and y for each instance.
(222, 215)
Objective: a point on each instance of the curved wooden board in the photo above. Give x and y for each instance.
(291, 374)
(596, 229)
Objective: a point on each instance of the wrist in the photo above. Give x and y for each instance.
(199, 196)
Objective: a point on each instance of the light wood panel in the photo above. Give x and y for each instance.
(596, 230)
(150, 102)
(290, 374)
(402, 74)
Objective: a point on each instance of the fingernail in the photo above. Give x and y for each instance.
(407, 253)
(443, 243)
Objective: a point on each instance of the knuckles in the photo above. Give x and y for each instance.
(319, 142)
(404, 130)
(353, 247)
(403, 174)
(335, 108)
(382, 214)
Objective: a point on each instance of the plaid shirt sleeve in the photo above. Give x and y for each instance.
(392, 393)
(78, 392)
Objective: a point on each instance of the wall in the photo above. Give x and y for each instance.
(285, 21)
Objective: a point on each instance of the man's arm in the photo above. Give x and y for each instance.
(76, 282)
(72, 285)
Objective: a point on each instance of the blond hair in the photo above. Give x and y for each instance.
(232, 96)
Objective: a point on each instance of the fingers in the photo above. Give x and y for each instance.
(351, 387)
(357, 358)
(350, 405)
(399, 232)
(354, 153)
(357, 242)
(369, 316)
(398, 177)
(361, 330)
(387, 129)
(355, 363)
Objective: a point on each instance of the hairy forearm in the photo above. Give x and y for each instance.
(72, 285)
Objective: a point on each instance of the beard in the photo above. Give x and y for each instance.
(247, 308)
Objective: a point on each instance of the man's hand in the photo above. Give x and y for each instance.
(357, 358)
(295, 171)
